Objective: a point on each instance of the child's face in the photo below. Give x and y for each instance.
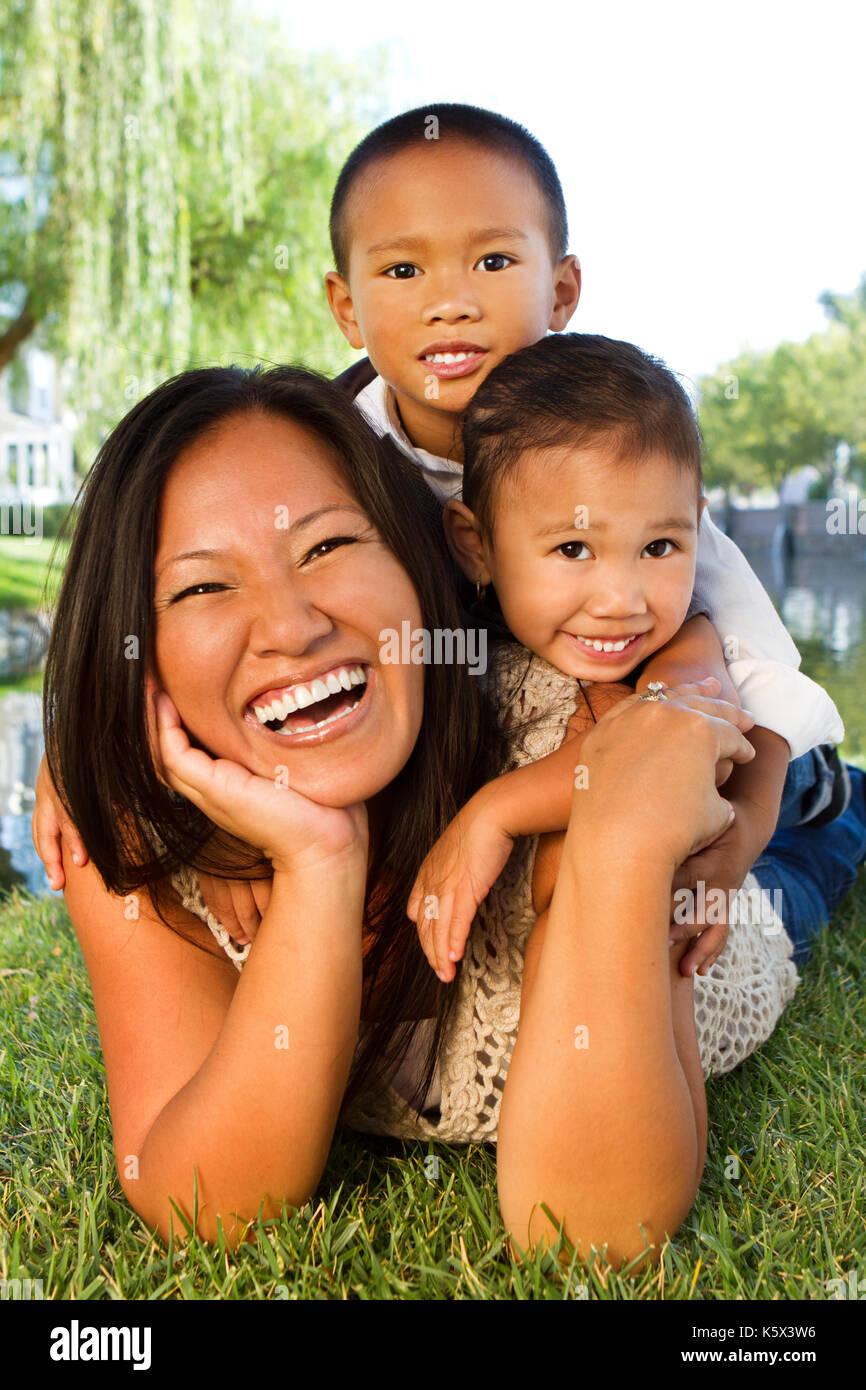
(588, 549)
(449, 250)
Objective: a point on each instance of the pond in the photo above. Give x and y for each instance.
(822, 602)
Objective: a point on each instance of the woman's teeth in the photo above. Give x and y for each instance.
(300, 697)
(600, 646)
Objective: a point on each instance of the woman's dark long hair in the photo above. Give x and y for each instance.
(136, 830)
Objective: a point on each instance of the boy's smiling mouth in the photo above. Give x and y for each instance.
(452, 357)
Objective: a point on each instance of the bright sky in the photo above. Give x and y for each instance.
(711, 154)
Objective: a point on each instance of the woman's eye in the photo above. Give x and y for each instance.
(653, 549)
(210, 587)
(570, 548)
(397, 271)
(495, 256)
(325, 547)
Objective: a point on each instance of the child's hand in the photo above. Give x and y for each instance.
(239, 904)
(50, 824)
(722, 865)
(453, 881)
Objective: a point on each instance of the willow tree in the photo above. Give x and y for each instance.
(165, 177)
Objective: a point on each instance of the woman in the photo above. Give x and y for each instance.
(258, 546)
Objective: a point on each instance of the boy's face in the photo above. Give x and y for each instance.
(449, 252)
(588, 550)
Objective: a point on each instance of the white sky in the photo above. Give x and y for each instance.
(711, 154)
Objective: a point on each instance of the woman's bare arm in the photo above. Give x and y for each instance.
(601, 1119)
(238, 1078)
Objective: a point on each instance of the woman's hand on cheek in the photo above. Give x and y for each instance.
(294, 833)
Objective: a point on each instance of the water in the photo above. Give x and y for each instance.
(822, 602)
(823, 606)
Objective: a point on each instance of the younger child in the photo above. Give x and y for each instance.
(582, 507)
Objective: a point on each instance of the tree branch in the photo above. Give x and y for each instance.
(16, 333)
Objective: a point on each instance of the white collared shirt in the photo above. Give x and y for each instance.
(762, 660)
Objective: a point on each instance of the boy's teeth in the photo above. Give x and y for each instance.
(447, 356)
(301, 696)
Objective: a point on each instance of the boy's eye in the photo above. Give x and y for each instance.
(569, 549)
(397, 272)
(495, 256)
(655, 553)
(325, 547)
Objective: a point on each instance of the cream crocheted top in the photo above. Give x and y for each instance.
(737, 1003)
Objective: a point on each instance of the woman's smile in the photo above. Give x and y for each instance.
(323, 708)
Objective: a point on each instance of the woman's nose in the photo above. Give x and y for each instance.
(286, 619)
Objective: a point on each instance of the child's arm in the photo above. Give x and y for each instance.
(694, 653)
(754, 790)
(468, 858)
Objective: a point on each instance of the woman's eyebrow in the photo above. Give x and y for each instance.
(295, 526)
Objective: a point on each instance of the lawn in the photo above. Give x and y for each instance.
(780, 1210)
(24, 566)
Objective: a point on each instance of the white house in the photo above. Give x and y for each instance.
(36, 462)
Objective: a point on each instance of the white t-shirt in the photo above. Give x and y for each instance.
(761, 657)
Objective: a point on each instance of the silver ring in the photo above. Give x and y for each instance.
(655, 691)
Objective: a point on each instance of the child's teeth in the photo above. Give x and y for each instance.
(447, 357)
(601, 646)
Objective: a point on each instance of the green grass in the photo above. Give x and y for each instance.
(379, 1228)
(23, 570)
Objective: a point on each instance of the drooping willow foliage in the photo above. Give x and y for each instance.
(165, 173)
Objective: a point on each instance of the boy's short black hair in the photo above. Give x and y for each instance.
(455, 121)
(573, 389)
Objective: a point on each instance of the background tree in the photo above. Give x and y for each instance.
(763, 415)
(165, 180)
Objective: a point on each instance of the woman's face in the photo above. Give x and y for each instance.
(271, 589)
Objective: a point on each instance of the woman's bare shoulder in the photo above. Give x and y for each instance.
(160, 1000)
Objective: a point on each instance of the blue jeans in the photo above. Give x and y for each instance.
(807, 790)
(814, 869)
